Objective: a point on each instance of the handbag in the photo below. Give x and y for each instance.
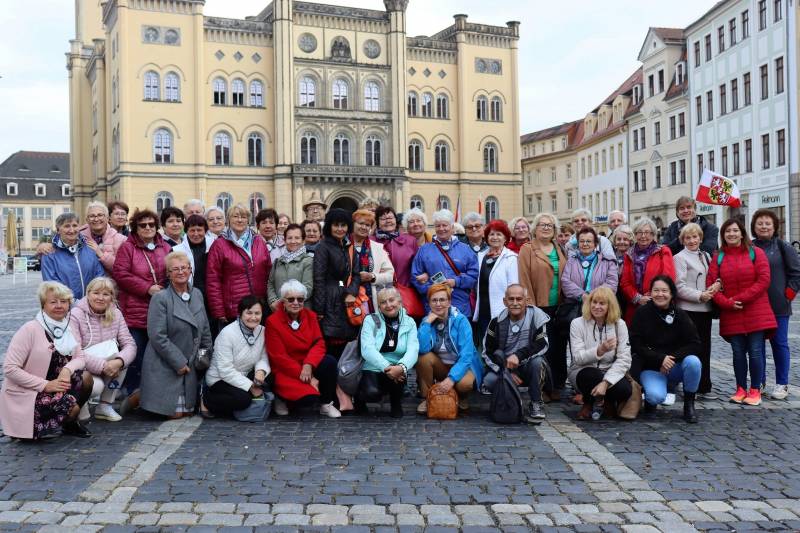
(349, 367)
(630, 409)
(410, 297)
(442, 405)
(357, 310)
(103, 350)
(203, 360)
(258, 410)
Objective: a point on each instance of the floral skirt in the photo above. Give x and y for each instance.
(51, 408)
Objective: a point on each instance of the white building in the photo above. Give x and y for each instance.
(738, 55)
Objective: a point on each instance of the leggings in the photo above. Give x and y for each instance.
(223, 399)
(588, 378)
(374, 385)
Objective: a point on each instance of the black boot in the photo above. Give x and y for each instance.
(76, 429)
(650, 409)
(396, 402)
(689, 413)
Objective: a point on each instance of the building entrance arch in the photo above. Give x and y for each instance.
(345, 202)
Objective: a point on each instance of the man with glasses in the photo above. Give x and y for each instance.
(616, 218)
(315, 210)
(582, 218)
(685, 210)
(473, 225)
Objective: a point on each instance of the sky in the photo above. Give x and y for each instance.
(572, 54)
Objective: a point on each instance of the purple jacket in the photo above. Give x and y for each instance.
(92, 331)
(604, 275)
(401, 252)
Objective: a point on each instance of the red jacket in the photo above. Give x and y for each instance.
(289, 350)
(231, 275)
(746, 281)
(658, 263)
(133, 274)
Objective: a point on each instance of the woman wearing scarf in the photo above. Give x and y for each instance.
(44, 383)
(497, 269)
(401, 247)
(588, 269)
(75, 260)
(295, 263)
(267, 225)
(372, 262)
(521, 232)
(238, 265)
(645, 260)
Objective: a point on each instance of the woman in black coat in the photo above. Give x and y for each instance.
(335, 280)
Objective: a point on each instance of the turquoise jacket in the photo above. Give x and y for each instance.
(461, 343)
(373, 335)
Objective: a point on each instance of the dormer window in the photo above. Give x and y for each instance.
(23, 168)
(40, 189)
(680, 73)
(55, 170)
(66, 190)
(12, 189)
(637, 94)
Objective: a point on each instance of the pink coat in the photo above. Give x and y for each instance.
(25, 367)
(92, 331)
(134, 277)
(231, 275)
(111, 242)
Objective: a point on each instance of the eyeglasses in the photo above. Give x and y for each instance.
(97, 216)
(295, 299)
(438, 301)
(145, 225)
(119, 213)
(214, 219)
(181, 269)
(643, 233)
(591, 242)
(239, 216)
(544, 225)
(474, 227)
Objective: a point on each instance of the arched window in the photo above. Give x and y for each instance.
(427, 105)
(415, 155)
(255, 150)
(412, 104)
(372, 97)
(256, 204)
(443, 202)
(308, 149)
(220, 91)
(224, 201)
(490, 157)
(162, 147)
(417, 203)
(163, 199)
(442, 153)
(497, 109)
(483, 105)
(151, 90)
(442, 106)
(308, 92)
(492, 208)
(237, 92)
(341, 150)
(340, 92)
(373, 151)
(172, 88)
(222, 149)
(256, 94)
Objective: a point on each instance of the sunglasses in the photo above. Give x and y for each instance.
(293, 299)
(145, 225)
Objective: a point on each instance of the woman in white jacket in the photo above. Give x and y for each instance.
(601, 354)
(239, 366)
(497, 269)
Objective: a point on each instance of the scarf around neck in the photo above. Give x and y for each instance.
(387, 235)
(64, 344)
(288, 256)
(640, 257)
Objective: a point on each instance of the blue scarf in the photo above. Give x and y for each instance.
(588, 271)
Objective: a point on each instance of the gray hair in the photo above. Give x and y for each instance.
(444, 215)
(176, 255)
(514, 222)
(293, 287)
(386, 292)
(415, 213)
(472, 216)
(98, 205)
(63, 218)
(624, 216)
(538, 218)
(581, 211)
(194, 201)
(214, 208)
(644, 221)
(622, 229)
(458, 229)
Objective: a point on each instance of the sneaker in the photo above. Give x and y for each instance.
(422, 408)
(753, 397)
(535, 414)
(740, 395)
(707, 396)
(329, 410)
(84, 415)
(669, 400)
(104, 411)
(779, 392)
(281, 409)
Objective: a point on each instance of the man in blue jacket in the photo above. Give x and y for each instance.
(74, 261)
(446, 260)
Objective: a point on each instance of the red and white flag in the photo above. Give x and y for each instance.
(716, 189)
(480, 205)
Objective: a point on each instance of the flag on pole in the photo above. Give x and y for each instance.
(480, 205)
(716, 189)
(458, 209)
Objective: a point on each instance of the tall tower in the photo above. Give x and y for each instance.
(397, 60)
(283, 41)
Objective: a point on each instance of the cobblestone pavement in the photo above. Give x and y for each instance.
(738, 469)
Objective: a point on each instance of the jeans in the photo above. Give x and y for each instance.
(655, 383)
(780, 353)
(134, 376)
(748, 348)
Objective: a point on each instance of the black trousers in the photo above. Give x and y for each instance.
(588, 378)
(326, 373)
(557, 350)
(223, 399)
(702, 321)
(374, 385)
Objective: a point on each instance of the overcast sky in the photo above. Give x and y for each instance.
(572, 54)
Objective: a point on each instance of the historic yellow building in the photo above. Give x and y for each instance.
(301, 101)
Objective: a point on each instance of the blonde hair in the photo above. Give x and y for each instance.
(59, 290)
(538, 218)
(602, 294)
(240, 208)
(364, 213)
(689, 229)
(176, 255)
(103, 283)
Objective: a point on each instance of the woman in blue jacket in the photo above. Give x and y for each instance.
(445, 339)
(389, 347)
(75, 260)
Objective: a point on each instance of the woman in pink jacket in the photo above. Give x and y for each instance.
(45, 384)
(106, 343)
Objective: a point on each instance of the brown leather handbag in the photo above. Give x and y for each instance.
(442, 405)
(630, 409)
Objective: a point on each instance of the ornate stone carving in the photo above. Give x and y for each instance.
(372, 49)
(488, 66)
(151, 34)
(395, 5)
(172, 36)
(236, 24)
(340, 49)
(356, 172)
(160, 35)
(307, 43)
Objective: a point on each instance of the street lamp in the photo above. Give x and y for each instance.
(19, 236)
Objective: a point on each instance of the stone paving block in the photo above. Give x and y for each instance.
(510, 519)
(694, 516)
(14, 516)
(91, 495)
(259, 520)
(682, 505)
(780, 514)
(748, 515)
(145, 519)
(292, 519)
(539, 520)
(640, 528)
(511, 508)
(565, 519)
(612, 496)
(399, 508)
(581, 508)
(615, 507)
(73, 520)
(76, 507)
(321, 508)
(435, 509)
(749, 504)
(470, 509)
(76, 529)
(109, 507)
(122, 494)
(213, 507)
(639, 517)
(443, 519)
(253, 508)
(178, 519)
(373, 519)
(287, 508)
(107, 518)
(45, 517)
(41, 506)
(714, 506)
(647, 496)
(221, 519)
(649, 507)
(9, 505)
(719, 516)
(600, 518)
(547, 508)
(476, 520)
(412, 519)
(783, 503)
(330, 519)
(175, 507)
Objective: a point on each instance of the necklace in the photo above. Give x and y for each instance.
(56, 331)
(247, 333)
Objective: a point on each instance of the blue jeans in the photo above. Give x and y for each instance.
(133, 377)
(780, 353)
(748, 350)
(655, 383)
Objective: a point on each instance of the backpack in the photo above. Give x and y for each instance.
(505, 406)
(721, 255)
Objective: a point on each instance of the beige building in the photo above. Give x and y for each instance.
(659, 155)
(549, 170)
(301, 101)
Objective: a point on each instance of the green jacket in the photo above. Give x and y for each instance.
(372, 336)
(300, 268)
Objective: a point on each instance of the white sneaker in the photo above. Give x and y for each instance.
(329, 410)
(104, 411)
(281, 409)
(779, 392)
(84, 415)
(669, 400)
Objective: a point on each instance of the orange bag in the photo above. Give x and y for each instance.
(442, 405)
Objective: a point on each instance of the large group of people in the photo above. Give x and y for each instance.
(199, 311)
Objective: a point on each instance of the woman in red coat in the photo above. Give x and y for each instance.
(296, 350)
(645, 260)
(746, 317)
(238, 265)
